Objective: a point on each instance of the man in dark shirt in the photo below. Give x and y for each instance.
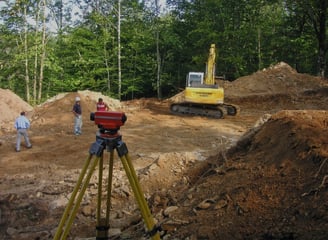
(77, 111)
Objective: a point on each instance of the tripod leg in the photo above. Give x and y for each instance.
(109, 185)
(100, 177)
(103, 224)
(71, 200)
(68, 217)
(149, 221)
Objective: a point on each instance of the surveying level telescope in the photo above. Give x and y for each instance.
(108, 121)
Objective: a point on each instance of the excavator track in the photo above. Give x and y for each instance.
(211, 111)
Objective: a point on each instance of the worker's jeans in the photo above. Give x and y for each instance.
(78, 125)
(20, 133)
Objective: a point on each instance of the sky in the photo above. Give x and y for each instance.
(52, 25)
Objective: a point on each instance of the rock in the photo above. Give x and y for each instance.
(169, 210)
(205, 204)
(221, 204)
(87, 210)
(60, 202)
(11, 231)
(114, 232)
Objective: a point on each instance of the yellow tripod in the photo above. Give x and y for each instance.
(110, 141)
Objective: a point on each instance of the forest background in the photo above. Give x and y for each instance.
(130, 49)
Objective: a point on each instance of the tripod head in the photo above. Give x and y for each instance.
(109, 122)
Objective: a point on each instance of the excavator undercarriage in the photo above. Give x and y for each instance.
(205, 110)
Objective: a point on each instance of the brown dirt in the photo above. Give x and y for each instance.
(262, 174)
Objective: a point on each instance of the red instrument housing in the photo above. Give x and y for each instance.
(108, 120)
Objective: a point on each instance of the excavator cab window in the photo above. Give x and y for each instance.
(195, 79)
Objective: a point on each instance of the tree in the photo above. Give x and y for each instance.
(158, 55)
(312, 13)
(141, 52)
(43, 51)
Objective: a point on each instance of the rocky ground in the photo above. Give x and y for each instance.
(262, 174)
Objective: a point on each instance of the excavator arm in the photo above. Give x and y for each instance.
(210, 67)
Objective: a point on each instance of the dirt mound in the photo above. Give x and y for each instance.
(11, 105)
(272, 185)
(54, 110)
(59, 108)
(280, 79)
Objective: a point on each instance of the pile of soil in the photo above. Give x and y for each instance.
(280, 79)
(271, 185)
(11, 105)
(262, 174)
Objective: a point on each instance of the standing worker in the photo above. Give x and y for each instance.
(21, 125)
(101, 105)
(77, 111)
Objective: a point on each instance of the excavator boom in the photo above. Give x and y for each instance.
(210, 67)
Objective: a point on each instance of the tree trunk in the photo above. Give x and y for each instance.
(259, 48)
(43, 51)
(119, 49)
(27, 78)
(158, 56)
(321, 33)
(36, 44)
(107, 65)
(159, 92)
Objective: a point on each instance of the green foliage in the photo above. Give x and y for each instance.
(249, 36)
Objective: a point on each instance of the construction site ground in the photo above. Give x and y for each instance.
(262, 174)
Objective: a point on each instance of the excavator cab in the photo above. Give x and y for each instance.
(195, 79)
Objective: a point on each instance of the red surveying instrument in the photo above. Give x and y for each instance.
(109, 138)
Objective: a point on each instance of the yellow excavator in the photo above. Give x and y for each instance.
(202, 95)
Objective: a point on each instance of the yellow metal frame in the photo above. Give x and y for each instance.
(210, 67)
(204, 95)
